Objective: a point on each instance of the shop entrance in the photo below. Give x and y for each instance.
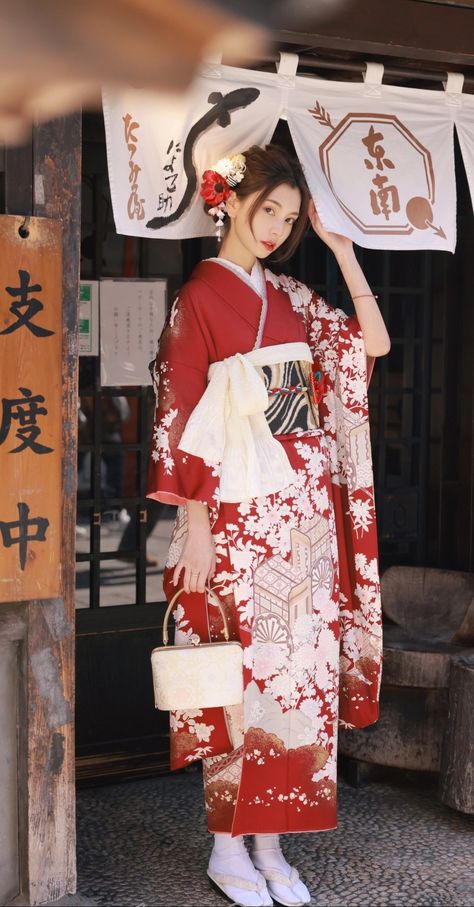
(421, 439)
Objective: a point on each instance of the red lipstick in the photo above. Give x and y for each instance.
(269, 245)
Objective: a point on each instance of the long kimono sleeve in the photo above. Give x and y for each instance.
(180, 379)
(339, 354)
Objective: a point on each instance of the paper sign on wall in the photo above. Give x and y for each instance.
(132, 315)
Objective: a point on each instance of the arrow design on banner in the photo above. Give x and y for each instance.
(438, 230)
(220, 113)
(420, 215)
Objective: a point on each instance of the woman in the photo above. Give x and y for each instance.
(267, 456)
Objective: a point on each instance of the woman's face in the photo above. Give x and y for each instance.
(272, 222)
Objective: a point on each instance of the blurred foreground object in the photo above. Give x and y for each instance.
(55, 56)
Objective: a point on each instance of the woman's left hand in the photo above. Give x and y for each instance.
(335, 241)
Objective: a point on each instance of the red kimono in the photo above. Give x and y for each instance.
(296, 569)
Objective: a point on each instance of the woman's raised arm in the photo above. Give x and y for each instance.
(372, 325)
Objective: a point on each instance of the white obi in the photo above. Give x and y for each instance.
(228, 428)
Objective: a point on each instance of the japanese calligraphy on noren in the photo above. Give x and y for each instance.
(394, 165)
(170, 172)
(30, 409)
(135, 206)
(375, 151)
(220, 113)
(384, 199)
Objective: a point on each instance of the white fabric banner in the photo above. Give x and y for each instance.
(379, 162)
(464, 119)
(158, 146)
(379, 159)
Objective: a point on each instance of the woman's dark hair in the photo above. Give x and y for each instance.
(267, 168)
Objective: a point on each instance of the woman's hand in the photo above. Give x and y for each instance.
(338, 244)
(198, 558)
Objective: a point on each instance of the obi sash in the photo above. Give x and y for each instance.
(228, 428)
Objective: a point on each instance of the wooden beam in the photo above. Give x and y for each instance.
(406, 29)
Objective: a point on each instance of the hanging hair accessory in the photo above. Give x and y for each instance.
(217, 184)
(218, 213)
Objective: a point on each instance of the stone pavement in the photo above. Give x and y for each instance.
(145, 843)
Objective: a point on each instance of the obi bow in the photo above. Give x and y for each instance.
(228, 428)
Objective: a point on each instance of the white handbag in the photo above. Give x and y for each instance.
(197, 676)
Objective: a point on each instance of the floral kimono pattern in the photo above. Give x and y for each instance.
(296, 570)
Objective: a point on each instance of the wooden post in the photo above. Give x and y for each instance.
(457, 759)
(38, 631)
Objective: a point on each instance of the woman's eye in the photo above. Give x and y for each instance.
(269, 210)
(291, 221)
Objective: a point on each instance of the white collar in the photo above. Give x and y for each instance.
(256, 279)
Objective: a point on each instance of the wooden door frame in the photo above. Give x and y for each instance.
(42, 178)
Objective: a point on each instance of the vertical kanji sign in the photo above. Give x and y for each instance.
(30, 408)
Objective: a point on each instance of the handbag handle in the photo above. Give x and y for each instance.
(211, 594)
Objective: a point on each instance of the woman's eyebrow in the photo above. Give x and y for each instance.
(274, 202)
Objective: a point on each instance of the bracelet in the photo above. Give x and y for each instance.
(365, 296)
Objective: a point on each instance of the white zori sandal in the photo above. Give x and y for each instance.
(232, 872)
(241, 891)
(287, 890)
(283, 881)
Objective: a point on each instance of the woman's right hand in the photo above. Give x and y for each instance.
(198, 557)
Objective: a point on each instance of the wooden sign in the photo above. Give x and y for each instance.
(30, 408)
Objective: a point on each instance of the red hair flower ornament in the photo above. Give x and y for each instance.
(214, 188)
(217, 185)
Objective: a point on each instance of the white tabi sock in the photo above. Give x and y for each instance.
(267, 856)
(229, 858)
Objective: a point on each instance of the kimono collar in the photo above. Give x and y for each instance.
(230, 285)
(255, 280)
(237, 290)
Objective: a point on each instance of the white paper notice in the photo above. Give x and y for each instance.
(132, 315)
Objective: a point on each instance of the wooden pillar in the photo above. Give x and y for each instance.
(37, 636)
(457, 761)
